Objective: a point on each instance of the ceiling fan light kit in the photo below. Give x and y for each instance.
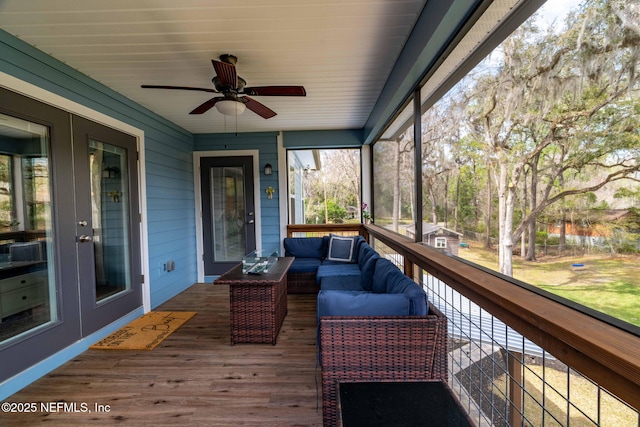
(229, 107)
(233, 89)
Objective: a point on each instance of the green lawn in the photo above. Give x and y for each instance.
(608, 284)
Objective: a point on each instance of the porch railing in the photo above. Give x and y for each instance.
(517, 357)
(319, 230)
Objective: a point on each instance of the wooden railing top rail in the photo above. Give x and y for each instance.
(324, 229)
(608, 355)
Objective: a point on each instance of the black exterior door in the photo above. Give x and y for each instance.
(69, 230)
(107, 226)
(228, 211)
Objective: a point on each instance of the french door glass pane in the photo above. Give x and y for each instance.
(27, 279)
(228, 210)
(110, 218)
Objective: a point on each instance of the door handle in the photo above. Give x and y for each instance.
(250, 221)
(84, 238)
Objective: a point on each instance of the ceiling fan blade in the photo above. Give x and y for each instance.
(199, 89)
(226, 73)
(258, 108)
(275, 91)
(206, 106)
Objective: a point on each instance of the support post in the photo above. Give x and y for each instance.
(417, 162)
(515, 366)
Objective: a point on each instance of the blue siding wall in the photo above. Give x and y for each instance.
(168, 155)
(267, 144)
(171, 215)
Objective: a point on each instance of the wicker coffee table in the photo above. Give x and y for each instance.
(258, 302)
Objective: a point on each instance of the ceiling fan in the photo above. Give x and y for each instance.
(234, 91)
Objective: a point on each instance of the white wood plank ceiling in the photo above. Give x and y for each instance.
(341, 51)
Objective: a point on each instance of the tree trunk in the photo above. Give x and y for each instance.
(523, 237)
(506, 202)
(434, 211)
(446, 199)
(531, 251)
(487, 220)
(396, 191)
(562, 242)
(457, 204)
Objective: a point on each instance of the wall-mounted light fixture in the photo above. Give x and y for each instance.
(268, 169)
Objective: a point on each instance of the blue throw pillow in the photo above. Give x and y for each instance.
(341, 248)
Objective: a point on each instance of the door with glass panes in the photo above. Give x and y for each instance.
(69, 229)
(228, 211)
(107, 226)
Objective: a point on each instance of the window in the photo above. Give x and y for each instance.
(7, 212)
(440, 242)
(393, 172)
(26, 289)
(35, 179)
(510, 159)
(324, 186)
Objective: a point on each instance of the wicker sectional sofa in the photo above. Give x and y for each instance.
(374, 323)
(379, 348)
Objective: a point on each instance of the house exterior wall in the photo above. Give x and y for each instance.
(594, 235)
(168, 169)
(453, 242)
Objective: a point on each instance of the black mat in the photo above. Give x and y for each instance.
(400, 404)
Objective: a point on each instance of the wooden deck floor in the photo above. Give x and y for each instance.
(195, 377)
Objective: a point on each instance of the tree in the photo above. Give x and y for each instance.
(563, 106)
(337, 185)
(438, 137)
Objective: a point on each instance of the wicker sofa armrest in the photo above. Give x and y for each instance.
(393, 348)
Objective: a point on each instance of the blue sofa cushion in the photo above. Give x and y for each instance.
(329, 262)
(341, 283)
(342, 248)
(364, 253)
(357, 303)
(336, 273)
(383, 269)
(303, 247)
(399, 283)
(367, 270)
(305, 265)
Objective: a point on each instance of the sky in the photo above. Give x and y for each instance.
(556, 9)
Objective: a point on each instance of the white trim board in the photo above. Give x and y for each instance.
(283, 193)
(197, 155)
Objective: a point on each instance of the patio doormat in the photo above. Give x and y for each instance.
(146, 332)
